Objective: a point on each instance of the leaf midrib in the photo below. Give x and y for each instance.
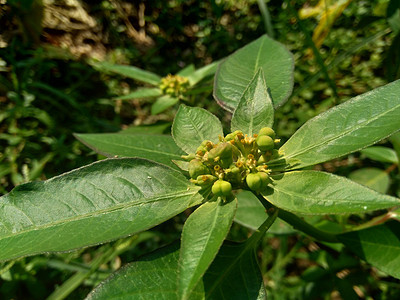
(137, 148)
(114, 208)
(316, 199)
(342, 134)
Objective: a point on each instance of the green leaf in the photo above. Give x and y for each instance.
(130, 72)
(255, 109)
(236, 72)
(251, 214)
(94, 204)
(158, 128)
(393, 15)
(181, 164)
(373, 178)
(141, 93)
(153, 277)
(313, 192)
(395, 140)
(163, 103)
(193, 125)
(202, 236)
(159, 148)
(187, 71)
(346, 128)
(378, 245)
(202, 73)
(382, 154)
(234, 274)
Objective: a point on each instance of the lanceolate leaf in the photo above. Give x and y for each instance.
(251, 214)
(235, 73)
(379, 246)
(255, 109)
(382, 154)
(94, 204)
(202, 236)
(159, 148)
(157, 129)
(234, 274)
(185, 72)
(130, 71)
(373, 178)
(153, 277)
(193, 125)
(202, 73)
(141, 93)
(313, 192)
(163, 103)
(346, 128)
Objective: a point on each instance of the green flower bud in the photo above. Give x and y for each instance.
(265, 142)
(188, 157)
(201, 150)
(232, 135)
(221, 188)
(205, 179)
(268, 132)
(197, 168)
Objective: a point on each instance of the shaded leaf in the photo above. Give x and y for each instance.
(159, 148)
(154, 276)
(163, 103)
(313, 192)
(193, 125)
(382, 154)
(186, 71)
(234, 274)
(251, 214)
(255, 109)
(130, 72)
(94, 204)
(158, 128)
(378, 245)
(373, 178)
(141, 93)
(202, 73)
(236, 72)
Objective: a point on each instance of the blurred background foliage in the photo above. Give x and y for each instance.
(49, 89)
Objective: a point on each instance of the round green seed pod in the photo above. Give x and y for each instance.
(267, 131)
(221, 188)
(253, 180)
(197, 168)
(265, 142)
(265, 180)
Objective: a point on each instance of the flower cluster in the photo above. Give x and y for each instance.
(174, 85)
(238, 161)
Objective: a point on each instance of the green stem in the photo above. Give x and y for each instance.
(260, 232)
(300, 224)
(266, 18)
